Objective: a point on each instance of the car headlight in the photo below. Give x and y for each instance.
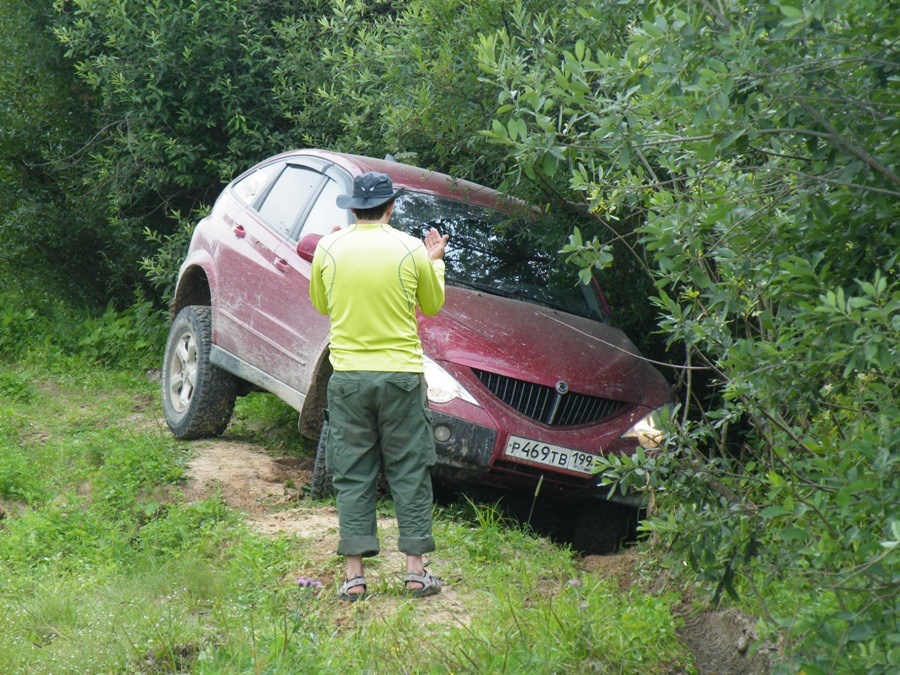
(443, 387)
(648, 430)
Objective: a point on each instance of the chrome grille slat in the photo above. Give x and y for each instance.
(540, 402)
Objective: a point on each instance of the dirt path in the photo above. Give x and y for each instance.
(267, 492)
(260, 487)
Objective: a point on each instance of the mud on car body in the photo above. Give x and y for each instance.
(527, 382)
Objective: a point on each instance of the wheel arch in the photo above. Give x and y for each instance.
(193, 289)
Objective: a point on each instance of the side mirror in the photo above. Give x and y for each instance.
(306, 247)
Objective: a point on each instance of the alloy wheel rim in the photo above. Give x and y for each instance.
(183, 372)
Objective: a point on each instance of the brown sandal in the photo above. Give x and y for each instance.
(344, 591)
(431, 585)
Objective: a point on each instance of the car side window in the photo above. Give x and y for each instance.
(288, 196)
(326, 214)
(248, 188)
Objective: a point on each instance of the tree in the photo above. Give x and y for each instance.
(182, 92)
(395, 78)
(51, 240)
(758, 143)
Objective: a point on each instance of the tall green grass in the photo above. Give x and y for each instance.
(37, 327)
(105, 568)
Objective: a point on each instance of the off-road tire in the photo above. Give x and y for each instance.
(321, 485)
(198, 397)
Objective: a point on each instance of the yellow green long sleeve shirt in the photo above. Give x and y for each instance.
(369, 278)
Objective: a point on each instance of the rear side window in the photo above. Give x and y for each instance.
(326, 214)
(250, 186)
(282, 206)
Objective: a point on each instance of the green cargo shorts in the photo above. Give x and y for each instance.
(375, 419)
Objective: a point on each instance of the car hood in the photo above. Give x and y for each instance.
(540, 345)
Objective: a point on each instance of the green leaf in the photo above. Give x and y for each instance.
(512, 127)
(550, 165)
(861, 630)
(579, 50)
(790, 11)
(775, 512)
(791, 533)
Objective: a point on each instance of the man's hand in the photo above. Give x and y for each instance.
(435, 243)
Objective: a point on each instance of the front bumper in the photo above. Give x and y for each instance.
(466, 455)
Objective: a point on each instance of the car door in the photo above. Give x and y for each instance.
(293, 331)
(239, 259)
(262, 229)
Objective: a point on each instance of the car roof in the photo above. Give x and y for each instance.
(414, 179)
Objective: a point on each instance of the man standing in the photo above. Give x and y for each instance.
(369, 278)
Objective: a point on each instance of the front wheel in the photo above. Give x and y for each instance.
(198, 397)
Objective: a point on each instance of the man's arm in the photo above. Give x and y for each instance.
(316, 285)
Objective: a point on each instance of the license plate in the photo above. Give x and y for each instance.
(549, 455)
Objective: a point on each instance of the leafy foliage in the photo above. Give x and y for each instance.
(757, 143)
(393, 77)
(52, 235)
(132, 337)
(737, 161)
(181, 93)
(36, 329)
(169, 251)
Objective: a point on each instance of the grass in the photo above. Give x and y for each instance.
(263, 419)
(105, 568)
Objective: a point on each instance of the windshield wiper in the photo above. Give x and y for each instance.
(469, 284)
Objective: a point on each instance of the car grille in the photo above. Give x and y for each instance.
(545, 404)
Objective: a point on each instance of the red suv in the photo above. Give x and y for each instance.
(527, 383)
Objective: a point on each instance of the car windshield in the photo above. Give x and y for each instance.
(496, 252)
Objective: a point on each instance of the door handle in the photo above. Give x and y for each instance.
(281, 265)
(239, 231)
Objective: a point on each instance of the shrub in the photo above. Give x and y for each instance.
(133, 337)
(768, 202)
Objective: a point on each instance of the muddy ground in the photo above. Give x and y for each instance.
(268, 491)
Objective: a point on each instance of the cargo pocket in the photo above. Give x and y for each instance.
(431, 448)
(342, 401)
(341, 387)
